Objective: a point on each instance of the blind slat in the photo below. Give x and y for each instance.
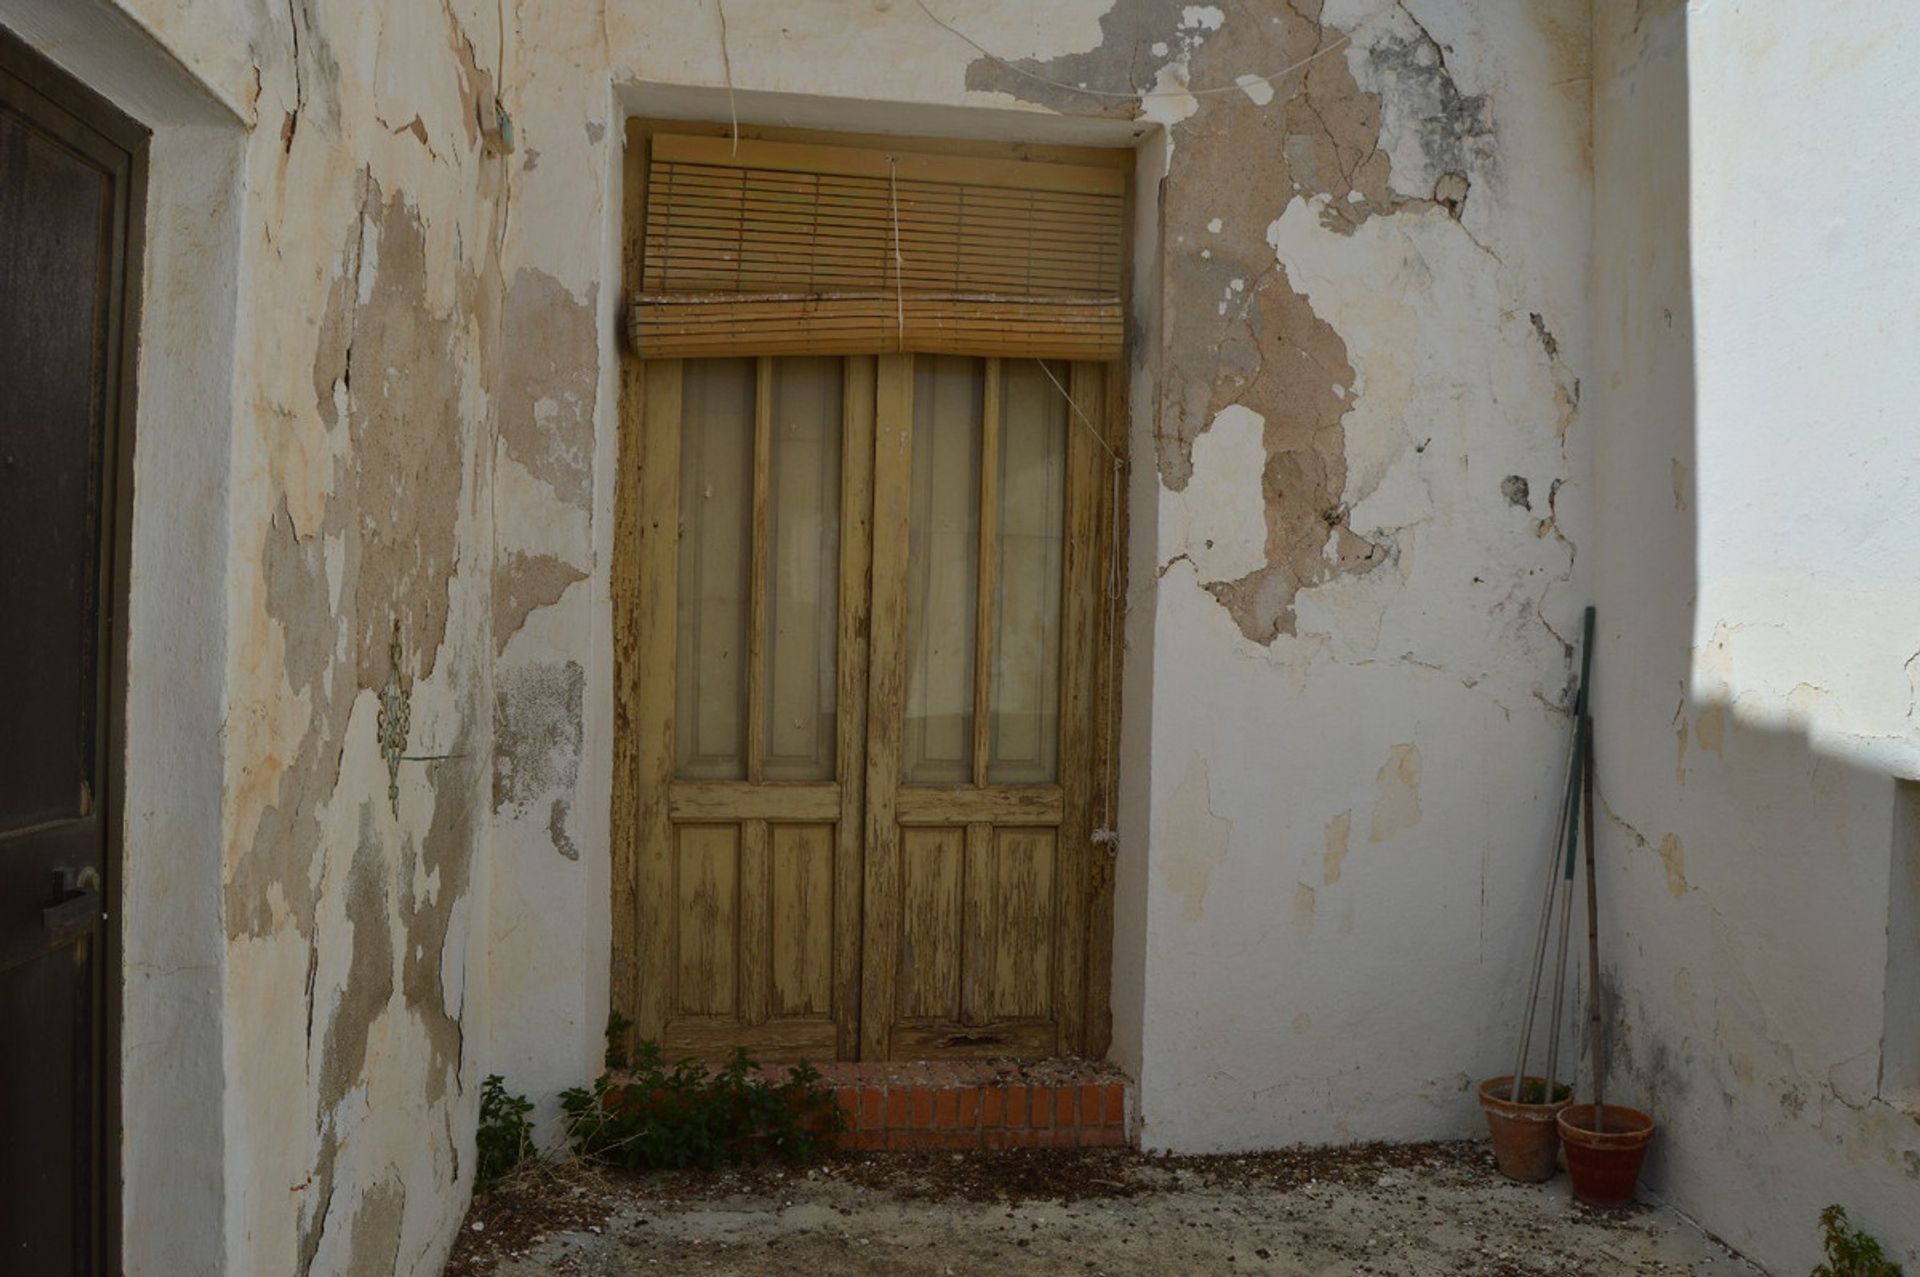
(790, 248)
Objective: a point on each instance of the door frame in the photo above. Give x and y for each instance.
(94, 112)
(633, 690)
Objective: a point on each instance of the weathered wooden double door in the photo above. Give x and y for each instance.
(860, 616)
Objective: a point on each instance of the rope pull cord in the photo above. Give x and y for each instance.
(899, 262)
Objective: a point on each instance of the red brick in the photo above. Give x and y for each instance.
(1102, 1137)
(993, 1105)
(946, 1109)
(1090, 1106)
(1066, 1106)
(1040, 1107)
(955, 1140)
(870, 1141)
(1115, 1109)
(896, 1109)
(921, 1109)
(966, 1104)
(1016, 1106)
(873, 1108)
(849, 1101)
(1066, 1137)
(897, 1140)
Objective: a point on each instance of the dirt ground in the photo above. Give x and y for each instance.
(1393, 1209)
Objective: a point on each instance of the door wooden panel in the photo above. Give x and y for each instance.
(70, 199)
(931, 863)
(709, 942)
(801, 864)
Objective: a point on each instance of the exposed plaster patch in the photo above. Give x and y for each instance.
(1398, 785)
(375, 1233)
(445, 856)
(369, 983)
(1304, 900)
(1194, 841)
(1268, 351)
(550, 375)
(557, 830)
(537, 730)
(523, 584)
(1339, 829)
(1673, 855)
(1515, 489)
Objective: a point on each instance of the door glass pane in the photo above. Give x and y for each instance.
(1024, 694)
(716, 507)
(803, 568)
(53, 206)
(943, 568)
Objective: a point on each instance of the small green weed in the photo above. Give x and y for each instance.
(505, 1137)
(660, 1117)
(1850, 1252)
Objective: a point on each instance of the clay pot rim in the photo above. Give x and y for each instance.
(1640, 1127)
(1494, 1101)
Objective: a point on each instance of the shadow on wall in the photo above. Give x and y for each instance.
(1745, 888)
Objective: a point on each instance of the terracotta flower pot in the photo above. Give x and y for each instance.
(1605, 1164)
(1524, 1137)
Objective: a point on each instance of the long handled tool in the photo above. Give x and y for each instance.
(1569, 828)
(1582, 751)
(1596, 1030)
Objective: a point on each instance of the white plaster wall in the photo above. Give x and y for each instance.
(1266, 990)
(1345, 822)
(1756, 576)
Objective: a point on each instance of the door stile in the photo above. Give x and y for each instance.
(856, 552)
(983, 626)
(626, 973)
(757, 585)
(976, 902)
(652, 707)
(1080, 646)
(892, 498)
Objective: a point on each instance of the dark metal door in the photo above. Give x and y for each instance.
(68, 187)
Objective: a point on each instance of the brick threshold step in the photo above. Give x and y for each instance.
(984, 1104)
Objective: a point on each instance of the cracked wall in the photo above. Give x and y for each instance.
(356, 499)
(1360, 330)
(1371, 482)
(1754, 699)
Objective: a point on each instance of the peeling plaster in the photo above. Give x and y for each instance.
(550, 380)
(537, 730)
(1195, 841)
(1338, 831)
(1398, 784)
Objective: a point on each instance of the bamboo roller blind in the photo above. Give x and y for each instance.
(789, 248)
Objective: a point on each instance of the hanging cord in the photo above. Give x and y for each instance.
(899, 262)
(1106, 835)
(726, 64)
(1239, 86)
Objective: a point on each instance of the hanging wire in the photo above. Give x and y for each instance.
(899, 262)
(1238, 86)
(726, 64)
